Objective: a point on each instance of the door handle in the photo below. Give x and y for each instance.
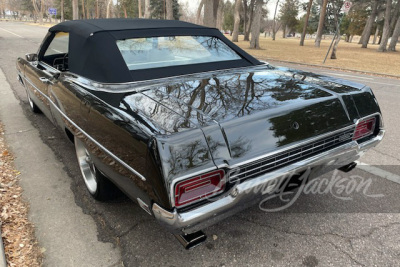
(45, 80)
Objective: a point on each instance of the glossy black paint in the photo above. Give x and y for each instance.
(172, 128)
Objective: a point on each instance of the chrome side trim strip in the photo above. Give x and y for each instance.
(102, 87)
(87, 135)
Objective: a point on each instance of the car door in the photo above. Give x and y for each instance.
(52, 58)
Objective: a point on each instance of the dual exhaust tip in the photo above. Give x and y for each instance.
(192, 240)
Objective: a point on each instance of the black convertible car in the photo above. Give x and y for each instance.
(187, 124)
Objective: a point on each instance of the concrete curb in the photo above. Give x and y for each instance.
(3, 262)
(332, 68)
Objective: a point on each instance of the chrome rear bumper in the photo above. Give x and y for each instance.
(248, 192)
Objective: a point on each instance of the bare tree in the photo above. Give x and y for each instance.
(38, 11)
(235, 34)
(386, 27)
(220, 14)
(108, 10)
(250, 20)
(336, 11)
(210, 13)
(62, 10)
(274, 22)
(75, 9)
(170, 10)
(256, 26)
(368, 27)
(394, 16)
(198, 16)
(395, 36)
(147, 11)
(303, 35)
(321, 24)
(83, 9)
(140, 8)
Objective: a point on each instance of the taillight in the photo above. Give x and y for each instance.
(199, 187)
(364, 128)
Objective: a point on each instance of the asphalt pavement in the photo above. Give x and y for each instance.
(362, 230)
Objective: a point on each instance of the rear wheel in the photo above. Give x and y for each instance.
(32, 105)
(96, 183)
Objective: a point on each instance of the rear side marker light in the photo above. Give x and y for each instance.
(199, 187)
(364, 128)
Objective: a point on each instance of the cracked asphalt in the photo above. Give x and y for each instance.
(318, 230)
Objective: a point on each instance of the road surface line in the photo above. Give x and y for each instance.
(379, 172)
(11, 32)
(346, 75)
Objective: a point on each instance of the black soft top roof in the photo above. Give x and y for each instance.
(88, 26)
(93, 52)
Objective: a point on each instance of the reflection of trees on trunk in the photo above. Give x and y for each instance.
(240, 147)
(246, 102)
(226, 96)
(191, 155)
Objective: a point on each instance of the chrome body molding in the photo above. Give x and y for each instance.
(248, 192)
(140, 85)
(108, 152)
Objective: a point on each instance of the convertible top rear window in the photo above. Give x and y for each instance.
(157, 52)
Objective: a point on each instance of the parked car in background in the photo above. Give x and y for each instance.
(186, 123)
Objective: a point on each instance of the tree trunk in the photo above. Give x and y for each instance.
(274, 22)
(62, 10)
(284, 28)
(208, 17)
(386, 27)
(368, 27)
(87, 10)
(83, 9)
(395, 36)
(351, 39)
(97, 9)
(256, 26)
(140, 8)
(338, 37)
(108, 10)
(170, 10)
(198, 16)
(303, 35)
(125, 13)
(250, 21)
(235, 34)
(75, 9)
(41, 11)
(147, 13)
(376, 34)
(321, 24)
(36, 8)
(220, 14)
(394, 16)
(244, 17)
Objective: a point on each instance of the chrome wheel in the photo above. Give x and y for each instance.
(30, 102)
(86, 166)
(32, 105)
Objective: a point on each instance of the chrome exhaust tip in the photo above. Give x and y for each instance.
(348, 167)
(192, 240)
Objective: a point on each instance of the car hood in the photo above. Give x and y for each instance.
(241, 114)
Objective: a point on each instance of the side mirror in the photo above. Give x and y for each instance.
(31, 57)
